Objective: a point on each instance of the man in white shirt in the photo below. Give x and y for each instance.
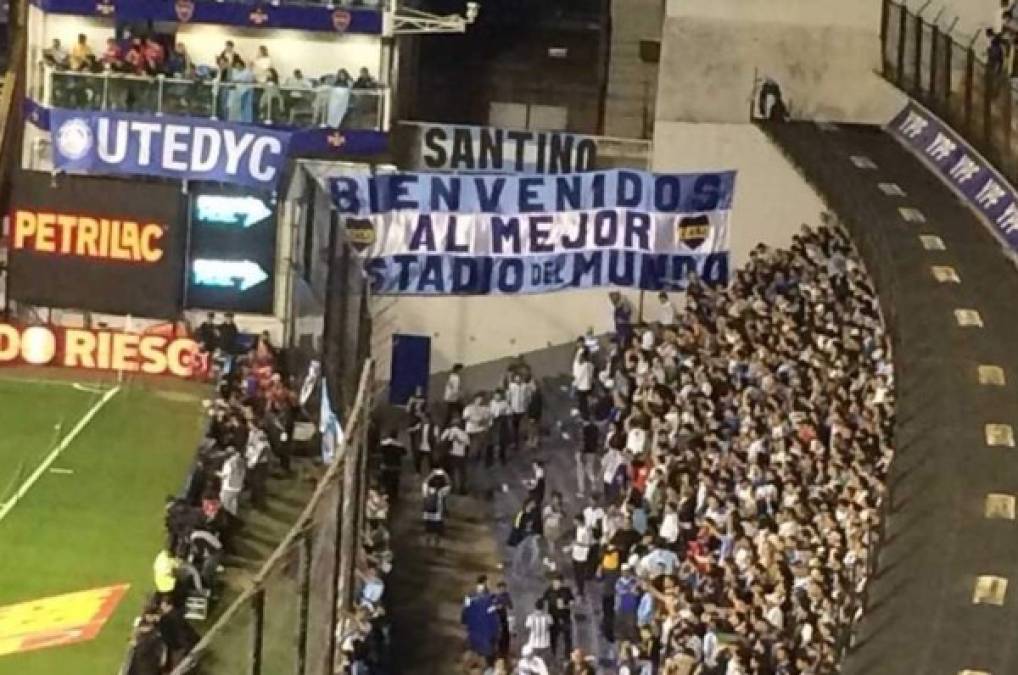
(256, 460)
(518, 395)
(231, 477)
(457, 441)
(583, 381)
(666, 314)
(453, 393)
(478, 421)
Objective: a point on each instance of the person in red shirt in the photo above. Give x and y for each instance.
(134, 59)
(113, 57)
(155, 55)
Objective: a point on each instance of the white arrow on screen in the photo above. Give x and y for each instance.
(230, 210)
(242, 274)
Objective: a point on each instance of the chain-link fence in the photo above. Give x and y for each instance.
(976, 97)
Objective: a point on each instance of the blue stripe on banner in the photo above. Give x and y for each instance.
(411, 274)
(364, 194)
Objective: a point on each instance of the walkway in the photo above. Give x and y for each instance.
(427, 589)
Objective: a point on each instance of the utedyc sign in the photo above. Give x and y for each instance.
(443, 234)
(181, 148)
(98, 244)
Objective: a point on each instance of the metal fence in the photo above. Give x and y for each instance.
(976, 99)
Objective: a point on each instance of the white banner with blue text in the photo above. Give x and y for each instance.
(443, 234)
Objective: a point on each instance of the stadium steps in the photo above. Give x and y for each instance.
(921, 618)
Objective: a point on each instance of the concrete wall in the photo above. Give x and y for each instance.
(771, 200)
(476, 330)
(823, 53)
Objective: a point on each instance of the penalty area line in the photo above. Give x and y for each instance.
(46, 463)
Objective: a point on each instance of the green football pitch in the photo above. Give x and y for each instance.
(92, 518)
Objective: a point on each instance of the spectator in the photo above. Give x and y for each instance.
(457, 441)
(56, 55)
(481, 621)
(436, 489)
(297, 81)
(262, 64)
(81, 57)
(364, 80)
(228, 333)
(228, 53)
(232, 477)
(538, 625)
(666, 315)
(176, 633)
(524, 537)
(559, 600)
(478, 423)
(392, 452)
(113, 56)
(134, 58)
(148, 651)
(179, 63)
(155, 55)
(270, 106)
(453, 394)
(531, 663)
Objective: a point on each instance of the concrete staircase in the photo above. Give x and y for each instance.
(632, 84)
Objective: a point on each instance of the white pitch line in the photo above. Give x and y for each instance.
(56, 452)
(62, 472)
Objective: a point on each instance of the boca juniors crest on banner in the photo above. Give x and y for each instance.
(182, 148)
(444, 234)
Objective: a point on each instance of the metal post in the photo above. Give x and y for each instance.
(885, 16)
(257, 630)
(948, 57)
(106, 91)
(333, 590)
(988, 85)
(934, 71)
(902, 31)
(917, 88)
(304, 588)
(970, 66)
(159, 95)
(1005, 122)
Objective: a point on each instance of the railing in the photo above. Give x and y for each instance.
(252, 103)
(975, 98)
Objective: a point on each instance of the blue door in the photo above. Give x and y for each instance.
(411, 365)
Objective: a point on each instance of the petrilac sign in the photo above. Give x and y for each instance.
(173, 147)
(445, 147)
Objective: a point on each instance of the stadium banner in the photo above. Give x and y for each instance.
(182, 148)
(91, 349)
(449, 234)
(449, 147)
(321, 17)
(961, 167)
(98, 244)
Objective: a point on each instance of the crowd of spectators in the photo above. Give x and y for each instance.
(248, 435)
(250, 89)
(730, 463)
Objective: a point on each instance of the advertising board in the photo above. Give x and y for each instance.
(90, 349)
(96, 244)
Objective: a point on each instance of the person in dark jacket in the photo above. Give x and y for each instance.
(176, 633)
(148, 651)
(480, 616)
(524, 536)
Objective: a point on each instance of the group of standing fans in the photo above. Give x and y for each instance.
(250, 428)
(730, 464)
